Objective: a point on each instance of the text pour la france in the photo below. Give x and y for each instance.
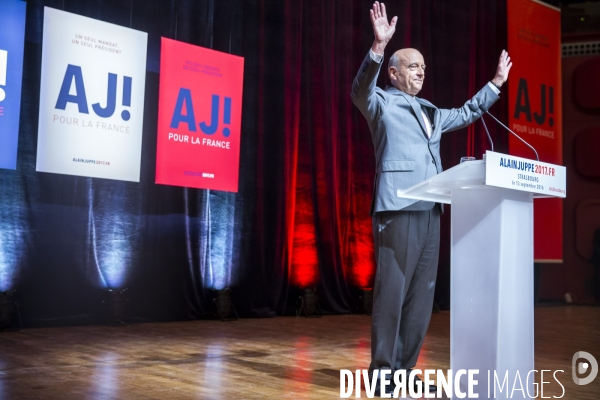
(176, 137)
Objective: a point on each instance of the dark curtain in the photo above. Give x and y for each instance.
(321, 228)
(300, 218)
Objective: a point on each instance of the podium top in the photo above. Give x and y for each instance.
(467, 175)
(503, 171)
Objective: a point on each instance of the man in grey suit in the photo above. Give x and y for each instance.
(406, 132)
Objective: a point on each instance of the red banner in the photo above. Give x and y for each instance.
(199, 117)
(535, 106)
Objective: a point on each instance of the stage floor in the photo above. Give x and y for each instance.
(278, 358)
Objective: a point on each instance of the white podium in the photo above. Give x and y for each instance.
(491, 315)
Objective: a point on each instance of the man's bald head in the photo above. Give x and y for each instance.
(403, 54)
(406, 69)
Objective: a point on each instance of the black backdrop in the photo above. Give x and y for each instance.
(305, 174)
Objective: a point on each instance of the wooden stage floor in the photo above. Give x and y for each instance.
(279, 358)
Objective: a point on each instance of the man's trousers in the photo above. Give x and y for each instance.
(406, 250)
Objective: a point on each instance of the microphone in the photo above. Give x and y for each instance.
(484, 109)
(475, 109)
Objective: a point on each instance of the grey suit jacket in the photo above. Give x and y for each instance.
(404, 154)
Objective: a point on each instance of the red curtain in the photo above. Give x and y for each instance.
(324, 174)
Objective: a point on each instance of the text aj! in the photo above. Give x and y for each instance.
(177, 137)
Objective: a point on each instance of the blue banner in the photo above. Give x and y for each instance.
(12, 38)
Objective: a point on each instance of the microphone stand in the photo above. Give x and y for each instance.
(488, 132)
(477, 110)
(508, 129)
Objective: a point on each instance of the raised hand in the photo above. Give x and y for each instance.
(382, 29)
(504, 66)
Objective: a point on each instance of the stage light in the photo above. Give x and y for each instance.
(113, 234)
(366, 299)
(213, 236)
(116, 307)
(223, 305)
(9, 308)
(113, 270)
(14, 233)
(308, 304)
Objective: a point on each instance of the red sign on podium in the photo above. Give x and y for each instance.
(199, 117)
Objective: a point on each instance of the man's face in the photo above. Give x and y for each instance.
(409, 75)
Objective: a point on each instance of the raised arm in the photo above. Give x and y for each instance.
(457, 118)
(504, 66)
(363, 93)
(382, 30)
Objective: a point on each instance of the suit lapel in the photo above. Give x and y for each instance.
(429, 109)
(417, 110)
(416, 107)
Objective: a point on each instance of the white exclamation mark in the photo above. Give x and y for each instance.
(3, 64)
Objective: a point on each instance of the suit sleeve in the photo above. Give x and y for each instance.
(364, 94)
(457, 118)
